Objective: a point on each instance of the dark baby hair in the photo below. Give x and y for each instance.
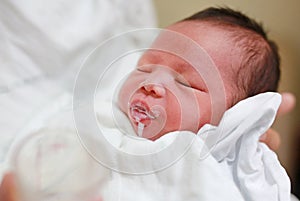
(259, 69)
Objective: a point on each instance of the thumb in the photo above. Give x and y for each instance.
(271, 138)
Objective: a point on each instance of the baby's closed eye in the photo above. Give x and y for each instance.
(182, 81)
(144, 69)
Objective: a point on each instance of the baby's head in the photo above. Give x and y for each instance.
(166, 93)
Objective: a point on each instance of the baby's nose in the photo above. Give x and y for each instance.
(154, 89)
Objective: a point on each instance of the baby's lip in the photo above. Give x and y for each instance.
(140, 112)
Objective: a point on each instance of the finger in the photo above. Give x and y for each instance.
(8, 188)
(287, 104)
(272, 139)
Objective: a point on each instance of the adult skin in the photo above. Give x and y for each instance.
(271, 137)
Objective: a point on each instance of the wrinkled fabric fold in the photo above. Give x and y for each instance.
(235, 142)
(225, 162)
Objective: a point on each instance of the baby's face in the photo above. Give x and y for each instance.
(165, 93)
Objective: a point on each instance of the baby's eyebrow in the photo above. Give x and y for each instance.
(151, 58)
(182, 66)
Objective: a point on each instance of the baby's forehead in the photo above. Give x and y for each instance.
(227, 46)
(178, 64)
(164, 58)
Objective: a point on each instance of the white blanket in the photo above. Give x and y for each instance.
(219, 163)
(43, 45)
(222, 163)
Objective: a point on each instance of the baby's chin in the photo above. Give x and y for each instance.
(150, 131)
(153, 129)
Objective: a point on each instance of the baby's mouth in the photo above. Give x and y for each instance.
(141, 113)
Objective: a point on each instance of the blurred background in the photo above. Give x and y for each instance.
(282, 21)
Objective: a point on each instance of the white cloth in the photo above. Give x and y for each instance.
(43, 45)
(255, 168)
(226, 162)
(235, 160)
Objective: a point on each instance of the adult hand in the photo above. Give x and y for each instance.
(271, 137)
(8, 190)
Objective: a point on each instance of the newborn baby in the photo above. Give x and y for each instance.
(245, 61)
(169, 92)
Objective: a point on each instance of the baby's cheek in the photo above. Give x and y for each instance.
(174, 113)
(205, 111)
(126, 91)
(130, 89)
(123, 98)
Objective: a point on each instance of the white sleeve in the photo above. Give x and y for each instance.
(43, 45)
